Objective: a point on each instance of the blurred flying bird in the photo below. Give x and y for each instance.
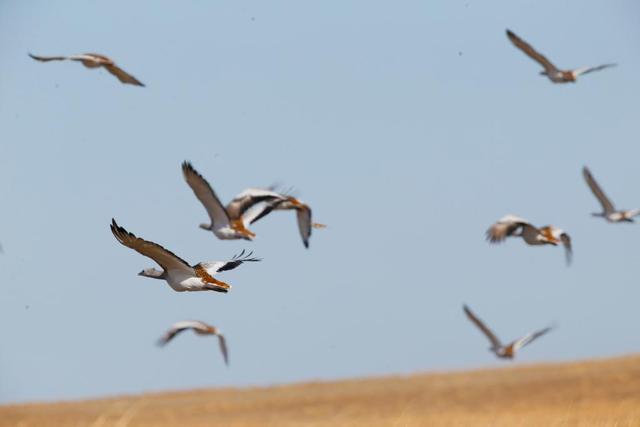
(503, 351)
(551, 71)
(231, 222)
(283, 202)
(177, 272)
(511, 225)
(609, 212)
(94, 60)
(199, 328)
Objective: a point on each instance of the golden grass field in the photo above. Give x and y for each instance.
(589, 393)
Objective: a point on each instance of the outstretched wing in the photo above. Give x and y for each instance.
(48, 58)
(248, 199)
(165, 258)
(532, 53)
(206, 195)
(607, 206)
(223, 348)
(504, 228)
(587, 70)
(303, 215)
(123, 76)
(495, 342)
(568, 250)
(178, 327)
(220, 266)
(529, 338)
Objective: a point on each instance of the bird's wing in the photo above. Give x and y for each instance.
(532, 53)
(504, 228)
(257, 211)
(223, 348)
(495, 342)
(122, 75)
(568, 250)
(249, 198)
(607, 206)
(587, 70)
(633, 212)
(206, 195)
(220, 266)
(518, 344)
(178, 327)
(48, 58)
(304, 224)
(165, 258)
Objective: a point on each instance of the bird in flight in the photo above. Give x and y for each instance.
(513, 226)
(609, 212)
(177, 272)
(199, 328)
(230, 222)
(284, 202)
(503, 351)
(94, 60)
(551, 71)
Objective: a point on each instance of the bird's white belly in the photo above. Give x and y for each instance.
(614, 217)
(226, 233)
(184, 282)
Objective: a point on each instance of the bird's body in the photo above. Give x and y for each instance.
(199, 328)
(609, 212)
(175, 271)
(551, 71)
(500, 350)
(95, 60)
(514, 226)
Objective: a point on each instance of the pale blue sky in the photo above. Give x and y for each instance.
(408, 127)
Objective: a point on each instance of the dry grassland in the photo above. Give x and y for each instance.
(590, 393)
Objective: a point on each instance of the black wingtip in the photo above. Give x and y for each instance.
(187, 166)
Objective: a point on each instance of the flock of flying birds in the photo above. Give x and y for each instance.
(231, 222)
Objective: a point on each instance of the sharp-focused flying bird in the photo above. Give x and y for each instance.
(283, 202)
(551, 71)
(177, 272)
(94, 60)
(228, 223)
(199, 328)
(513, 226)
(609, 212)
(500, 350)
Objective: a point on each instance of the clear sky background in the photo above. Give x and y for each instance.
(409, 127)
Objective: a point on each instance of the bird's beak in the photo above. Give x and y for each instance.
(141, 273)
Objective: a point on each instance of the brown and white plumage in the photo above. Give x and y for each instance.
(503, 351)
(609, 212)
(199, 328)
(177, 272)
(282, 202)
(514, 226)
(94, 60)
(228, 222)
(551, 71)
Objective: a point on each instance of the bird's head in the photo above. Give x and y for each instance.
(151, 272)
(206, 226)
